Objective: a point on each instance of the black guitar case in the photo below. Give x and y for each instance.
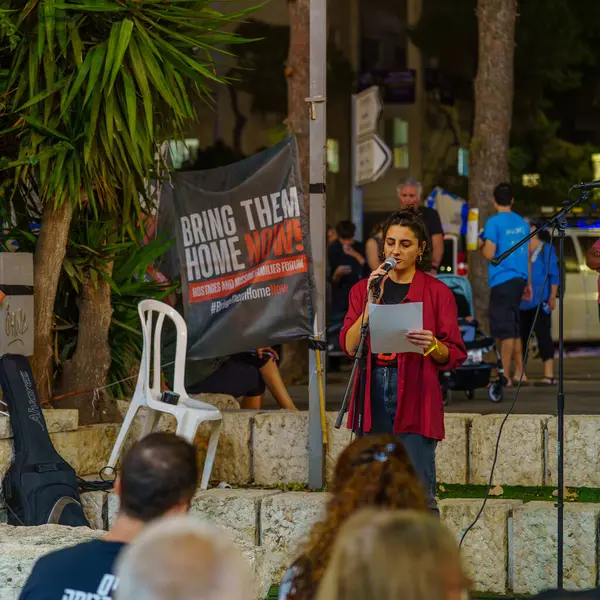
(40, 487)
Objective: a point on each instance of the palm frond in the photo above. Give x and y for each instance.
(93, 76)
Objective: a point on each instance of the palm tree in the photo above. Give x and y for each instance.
(92, 88)
(493, 118)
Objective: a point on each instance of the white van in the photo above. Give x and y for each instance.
(581, 300)
(581, 288)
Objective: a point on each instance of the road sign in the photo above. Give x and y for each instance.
(373, 158)
(370, 156)
(367, 110)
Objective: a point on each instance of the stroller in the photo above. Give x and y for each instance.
(474, 372)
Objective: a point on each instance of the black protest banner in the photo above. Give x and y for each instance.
(243, 246)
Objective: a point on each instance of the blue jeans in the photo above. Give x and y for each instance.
(420, 449)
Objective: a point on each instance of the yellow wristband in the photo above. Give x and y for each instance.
(434, 347)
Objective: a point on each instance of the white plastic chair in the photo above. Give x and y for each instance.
(188, 412)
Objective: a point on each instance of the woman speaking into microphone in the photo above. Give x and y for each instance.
(403, 394)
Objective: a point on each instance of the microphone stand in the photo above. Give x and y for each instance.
(558, 220)
(358, 377)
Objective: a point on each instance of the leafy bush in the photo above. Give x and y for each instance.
(92, 246)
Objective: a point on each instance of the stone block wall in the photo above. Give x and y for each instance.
(270, 447)
(581, 451)
(521, 455)
(535, 546)
(280, 447)
(485, 550)
(452, 455)
(22, 546)
(285, 521)
(512, 549)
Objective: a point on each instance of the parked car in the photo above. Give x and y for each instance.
(581, 287)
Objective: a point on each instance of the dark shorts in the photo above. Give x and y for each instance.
(505, 309)
(238, 376)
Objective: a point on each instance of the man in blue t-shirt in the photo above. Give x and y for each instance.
(509, 281)
(158, 477)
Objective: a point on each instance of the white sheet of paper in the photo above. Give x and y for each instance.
(389, 323)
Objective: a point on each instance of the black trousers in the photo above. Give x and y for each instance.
(543, 332)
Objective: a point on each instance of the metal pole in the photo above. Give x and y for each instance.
(562, 224)
(357, 192)
(318, 141)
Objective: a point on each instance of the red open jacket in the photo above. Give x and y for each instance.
(420, 404)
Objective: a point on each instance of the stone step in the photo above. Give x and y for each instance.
(270, 447)
(511, 549)
(22, 546)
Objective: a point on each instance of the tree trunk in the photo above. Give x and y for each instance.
(491, 131)
(240, 120)
(49, 254)
(294, 360)
(88, 368)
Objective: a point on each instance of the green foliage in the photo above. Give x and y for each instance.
(132, 283)
(293, 486)
(555, 83)
(554, 41)
(8, 32)
(88, 89)
(92, 246)
(92, 85)
(524, 493)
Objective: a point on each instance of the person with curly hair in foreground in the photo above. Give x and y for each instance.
(394, 555)
(373, 471)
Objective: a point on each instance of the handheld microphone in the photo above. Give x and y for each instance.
(590, 185)
(389, 264)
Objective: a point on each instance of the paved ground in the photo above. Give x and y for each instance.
(582, 392)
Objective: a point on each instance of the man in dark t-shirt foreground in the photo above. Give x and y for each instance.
(409, 194)
(158, 478)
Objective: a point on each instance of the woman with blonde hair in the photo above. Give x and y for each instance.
(373, 471)
(394, 555)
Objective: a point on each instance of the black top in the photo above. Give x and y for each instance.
(84, 570)
(393, 293)
(433, 223)
(340, 290)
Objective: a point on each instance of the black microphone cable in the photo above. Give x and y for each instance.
(512, 406)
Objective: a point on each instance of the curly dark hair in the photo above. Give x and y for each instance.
(411, 218)
(373, 471)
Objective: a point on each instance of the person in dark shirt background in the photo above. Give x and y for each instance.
(409, 194)
(346, 259)
(158, 477)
